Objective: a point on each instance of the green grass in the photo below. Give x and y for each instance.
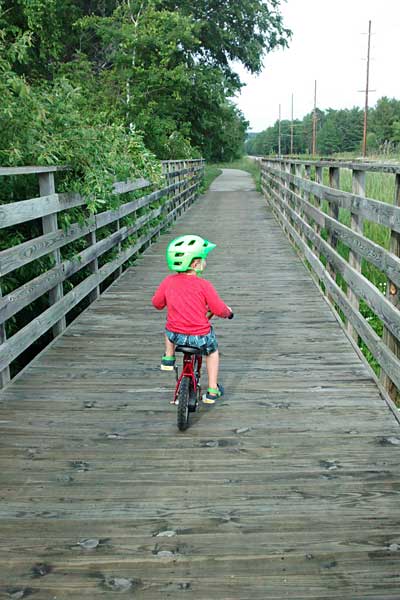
(210, 173)
(243, 164)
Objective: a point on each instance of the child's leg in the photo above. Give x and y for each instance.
(169, 347)
(212, 362)
(168, 360)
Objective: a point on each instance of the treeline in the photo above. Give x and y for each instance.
(337, 131)
(90, 82)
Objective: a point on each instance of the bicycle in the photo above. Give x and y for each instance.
(187, 395)
(187, 390)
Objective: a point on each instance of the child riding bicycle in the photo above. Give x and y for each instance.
(191, 301)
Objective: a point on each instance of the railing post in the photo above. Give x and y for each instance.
(358, 187)
(319, 178)
(289, 187)
(393, 295)
(300, 210)
(5, 373)
(50, 224)
(93, 267)
(333, 211)
(119, 270)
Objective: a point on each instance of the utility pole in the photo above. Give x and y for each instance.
(366, 95)
(314, 122)
(291, 131)
(279, 132)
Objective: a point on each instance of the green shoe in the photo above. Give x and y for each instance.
(167, 363)
(213, 394)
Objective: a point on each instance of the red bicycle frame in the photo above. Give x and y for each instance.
(191, 366)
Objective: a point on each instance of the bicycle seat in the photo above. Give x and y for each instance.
(188, 349)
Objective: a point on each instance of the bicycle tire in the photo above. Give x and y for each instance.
(183, 404)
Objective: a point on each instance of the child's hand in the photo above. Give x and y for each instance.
(231, 315)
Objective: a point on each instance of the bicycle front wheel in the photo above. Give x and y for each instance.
(183, 404)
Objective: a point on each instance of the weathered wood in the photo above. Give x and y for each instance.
(18, 256)
(389, 362)
(359, 246)
(385, 260)
(122, 187)
(268, 495)
(50, 225)
(4, 373)
(30, 170)
(26, 210)
(333, 211)
(23, 254)
(372, 166)
(13, 347)
(368, 208)
(393, 295)
(361, 286)
(94, 266)
(181, 194)
(15, 301)
(356, 224)
(30, 333)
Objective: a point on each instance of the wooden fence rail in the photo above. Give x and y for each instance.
(182, 181)
(309, 212)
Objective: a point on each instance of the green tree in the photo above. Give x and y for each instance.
(382, 118)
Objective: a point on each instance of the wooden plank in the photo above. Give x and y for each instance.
(373, 167)
(110, 216)
(14, 258)
(269, 494)
(31, 332)
(386, 261)
(368, 208)
(122, 187)
(376, 346)
(4, 373)
(362, 287)
(356, 224)
(393, 295)
(50, 225)
(26, 210)
(30, 170)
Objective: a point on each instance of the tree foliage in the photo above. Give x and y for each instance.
(157, 70)
(337, 131)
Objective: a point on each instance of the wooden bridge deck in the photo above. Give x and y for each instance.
(288, 488)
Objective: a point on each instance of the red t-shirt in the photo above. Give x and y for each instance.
(188, 298)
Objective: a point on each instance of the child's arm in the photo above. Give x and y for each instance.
(216, 306)
(159, 301)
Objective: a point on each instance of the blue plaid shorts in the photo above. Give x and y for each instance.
(206, 343)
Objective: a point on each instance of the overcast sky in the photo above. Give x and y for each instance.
(329, 44)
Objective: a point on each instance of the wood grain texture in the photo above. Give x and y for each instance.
(287, 488)
(368, 208)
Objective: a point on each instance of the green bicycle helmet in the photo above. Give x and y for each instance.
(183, 249)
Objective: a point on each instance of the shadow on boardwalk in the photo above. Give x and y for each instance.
(288, 488)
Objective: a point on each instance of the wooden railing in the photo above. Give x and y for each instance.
(157, 209)
(313, 215)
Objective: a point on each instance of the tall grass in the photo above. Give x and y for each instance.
(379, 186)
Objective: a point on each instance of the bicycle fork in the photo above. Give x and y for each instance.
(191, 369)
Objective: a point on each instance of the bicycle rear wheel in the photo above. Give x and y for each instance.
(183, 404)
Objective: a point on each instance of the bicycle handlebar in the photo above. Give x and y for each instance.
(231, 316)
